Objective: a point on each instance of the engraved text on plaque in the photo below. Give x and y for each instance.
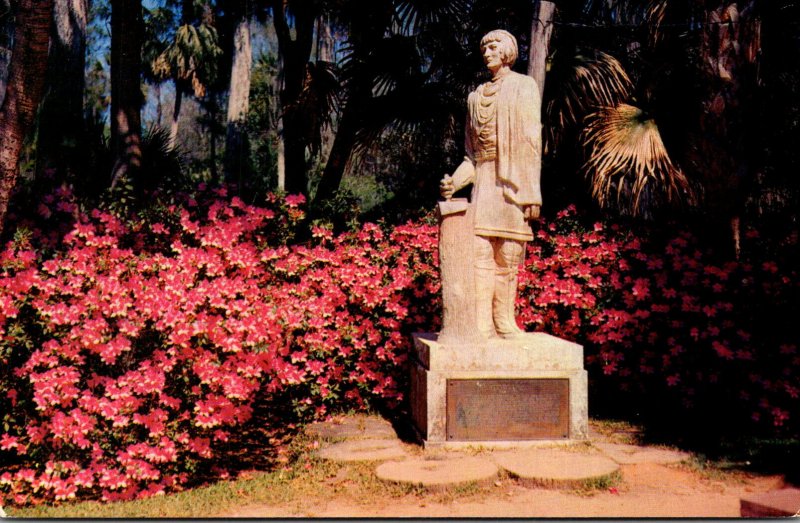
(507, 409)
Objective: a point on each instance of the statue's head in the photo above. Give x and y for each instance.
(507, 43)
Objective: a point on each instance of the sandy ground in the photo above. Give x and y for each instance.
(647, 490)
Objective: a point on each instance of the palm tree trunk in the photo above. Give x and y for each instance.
(236, 150)
(541, 31)
(126, 91)
(25, 89)
(61, 115)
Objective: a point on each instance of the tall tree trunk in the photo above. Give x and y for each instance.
(358, 97)
(277, 114)
(159, 105)
(126, 91)
(237, 154)
(281, 157)
(366, 33)
(342, 146)
(176, 114)
(294, 55)
(187, 14)
(730, 50)
(294, 152)
(26, 77)
(7, 32)
(5, 60)
(325, 53)
(541, 31)
(213, 112)
(325, 42)
(61, 118)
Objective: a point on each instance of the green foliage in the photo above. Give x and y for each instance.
(339, 213)
(261, 127)
(162, 177)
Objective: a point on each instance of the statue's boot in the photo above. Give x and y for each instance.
(505, 294)
(484, 293)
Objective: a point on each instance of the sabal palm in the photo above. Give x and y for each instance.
(627, 162)
(190, 59)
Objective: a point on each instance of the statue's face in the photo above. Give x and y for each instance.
(493, 56)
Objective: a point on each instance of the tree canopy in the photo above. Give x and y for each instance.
(650, 108)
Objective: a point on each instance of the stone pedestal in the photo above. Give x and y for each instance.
(500, 393)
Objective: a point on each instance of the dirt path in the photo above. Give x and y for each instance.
(647, 490)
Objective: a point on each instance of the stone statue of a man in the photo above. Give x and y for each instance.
(503, 164)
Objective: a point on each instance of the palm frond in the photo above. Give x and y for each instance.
(412, 16)
(586, 83)
(191, 56)
(628, 166)
(163, 165)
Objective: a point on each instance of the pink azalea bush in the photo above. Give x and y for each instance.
(139, 350)
(667, 323)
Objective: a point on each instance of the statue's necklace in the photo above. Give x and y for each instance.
(486, 105)
(491, 88)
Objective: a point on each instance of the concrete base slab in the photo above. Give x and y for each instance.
(557, 468)
(352, 427)
(364, 450)
(773, 504)
(439, 474)
(632, 454)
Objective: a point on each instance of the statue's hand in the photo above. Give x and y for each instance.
(531, 212)
(446, 187)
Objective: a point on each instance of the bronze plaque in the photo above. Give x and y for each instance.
(507, 409)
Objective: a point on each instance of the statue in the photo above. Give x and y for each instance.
(503, 163)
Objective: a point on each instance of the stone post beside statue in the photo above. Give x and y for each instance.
(457, 273)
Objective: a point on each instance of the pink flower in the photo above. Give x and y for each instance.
(295, 200)
(8, 442)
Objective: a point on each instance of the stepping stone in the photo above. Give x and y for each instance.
(352, 427)
(363, 450)
(555, 468)
(772, 504)
(439, 474)
(632, 454)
